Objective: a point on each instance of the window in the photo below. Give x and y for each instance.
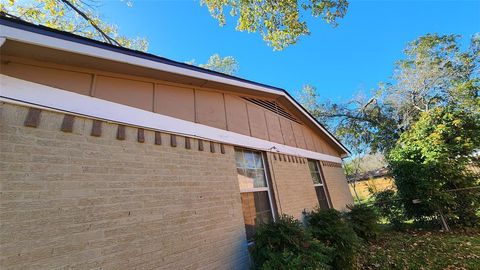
(318, 183)
(254, 190)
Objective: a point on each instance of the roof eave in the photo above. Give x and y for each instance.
(42, 36)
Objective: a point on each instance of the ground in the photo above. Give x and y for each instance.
(423, 250)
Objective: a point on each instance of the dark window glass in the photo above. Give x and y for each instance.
(322, 197)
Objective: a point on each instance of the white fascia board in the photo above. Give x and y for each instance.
(70, 46)
(14, 90)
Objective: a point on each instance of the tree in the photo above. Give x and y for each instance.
(74, 16)
(430, 165)
(227, 65)
(280, 22)
(434, 73)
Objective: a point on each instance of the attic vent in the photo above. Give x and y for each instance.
(273, 107)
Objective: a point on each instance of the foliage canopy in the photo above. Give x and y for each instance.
(432, 158)
(74, 16)
(281, 22)
(435, 72)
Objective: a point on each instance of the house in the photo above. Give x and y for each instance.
(118, 159)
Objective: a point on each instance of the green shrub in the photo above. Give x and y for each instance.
(284, 244)
(364, 221)
(330, 227)
(433, 158)
(390, 207)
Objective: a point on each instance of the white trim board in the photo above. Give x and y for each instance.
(16, 90)
(70, 46)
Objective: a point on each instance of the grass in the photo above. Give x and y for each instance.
(423, 250)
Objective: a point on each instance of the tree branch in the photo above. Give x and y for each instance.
(92, 23)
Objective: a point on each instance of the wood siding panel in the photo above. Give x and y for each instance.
(216, 109)
(77, 82)
(330, 150)
(287, 132)
(210, 109)
(258, 126)
(298, 133)
(237, 116)
(318, 143)
(273, 127)
(128, 92)
(308, 135)
(175, 101)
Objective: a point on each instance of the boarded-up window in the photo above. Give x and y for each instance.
(318, 183)
(254, 190)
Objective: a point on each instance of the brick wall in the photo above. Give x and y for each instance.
(337, 185)
(71, 200)
(292, 185)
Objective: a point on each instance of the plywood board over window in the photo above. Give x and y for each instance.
(175, 101)
(258, 125)
(128, 92)
(237, 116)
(210, 109)
(77, 82)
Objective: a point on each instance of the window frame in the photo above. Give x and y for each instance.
(259, 189)
(322, 179)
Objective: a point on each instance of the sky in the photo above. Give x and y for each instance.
(340, 62)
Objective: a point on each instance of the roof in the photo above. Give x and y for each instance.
(175, 67)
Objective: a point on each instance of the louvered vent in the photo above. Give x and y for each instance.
(273, 107)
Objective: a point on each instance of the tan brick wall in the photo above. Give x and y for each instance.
(337, 185)
(70, 200)
(292, 185)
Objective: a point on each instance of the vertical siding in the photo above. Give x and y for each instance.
(273, 127)
(216, 109)
(287, 132)
(237, 116)
(77, 82)
(175, 101)
(258, 125)
(298, 133)
(307, 134)
(210, 109)
(128, 92)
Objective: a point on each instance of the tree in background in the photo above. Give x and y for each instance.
(79, 17)
(227, 65)
(434, 73)
(430, 166)
(74, 16)
(280, 22)
(426, 122)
